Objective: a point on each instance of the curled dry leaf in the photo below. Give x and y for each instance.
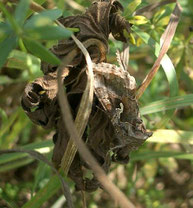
(114, 128)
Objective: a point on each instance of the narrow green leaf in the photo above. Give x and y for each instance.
(166, 62)
(40, 51)
(138, 20)
(44, 194)
(131, 7)
(6, 47)
(48, 32)
(21, 123)
(42, 172)
(172, 136)
(10, 18)
(42, 19)
(13, 160)
(40, 157)
(43, 147)
(135, 156)
(16, 164)
(3, 116)
(73, 29)
(166, 104)
(6, 126)
(129, 36)
(5, 30)
(21, 11)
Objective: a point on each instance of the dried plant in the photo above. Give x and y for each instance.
(111, 133)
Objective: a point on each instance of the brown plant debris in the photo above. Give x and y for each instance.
(115, 127)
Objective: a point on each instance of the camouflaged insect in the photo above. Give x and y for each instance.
(114, 128)
(115, 88)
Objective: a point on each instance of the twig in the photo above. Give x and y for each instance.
(36, 7)
(75, 5)
(83, 194)
(165, 43)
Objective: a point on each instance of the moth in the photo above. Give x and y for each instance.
(115, 88)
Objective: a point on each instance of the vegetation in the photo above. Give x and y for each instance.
(159, 174)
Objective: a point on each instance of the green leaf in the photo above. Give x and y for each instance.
(3, 116)
(153, 155)
(14, 160)
(42, 19)
(40, 157)
(10, 18)
(6, 47)
(73, 29)
(131, 7)
(40, 51)
(25, 160)
(44, 194)
(138, 20)
(21, 11)
(42, 172)
(172, 136)
(18, 126)
(49, 32)
(167, 104)
(21, 60)
(166, 62)
(5, 30)
(6, 125)
(129, 36)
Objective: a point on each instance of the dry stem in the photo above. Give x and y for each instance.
(166, 40)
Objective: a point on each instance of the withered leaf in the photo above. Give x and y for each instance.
(111, 128)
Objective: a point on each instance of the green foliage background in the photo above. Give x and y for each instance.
(160, 172)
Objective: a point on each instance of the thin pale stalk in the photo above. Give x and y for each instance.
(165, 42)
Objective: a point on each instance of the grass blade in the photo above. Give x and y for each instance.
(165, 43)
(167, 104)
(172, 136)
(44, 194)
(135, 156)
(42, 147)
(42, 158)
